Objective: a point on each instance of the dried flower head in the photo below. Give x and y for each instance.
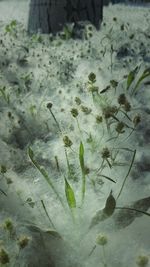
(8, 225)
(92, 77)
(99, 119)
(23, 241)
(127, 106)
(114, 83)
(136, 120)
(74, 112)
(78, 101)
(142, 261)
(67, 141)
(3, 169)
(86, 110)
(122, 99)
(4, 257)
(101, 240)
(49, 105)
(109, 111)
(105, 153)
(120, 127)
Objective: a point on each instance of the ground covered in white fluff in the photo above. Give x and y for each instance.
(74, 142)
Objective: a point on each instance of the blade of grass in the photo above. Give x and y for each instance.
(145, 74)
(81, 159)
(108, 178)
(132, 161)
(44, 174)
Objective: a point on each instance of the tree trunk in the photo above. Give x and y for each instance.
(49, 16)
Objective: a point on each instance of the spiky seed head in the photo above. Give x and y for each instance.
(4, 257)
(23, 241)
(136, 120)
(122, 99)
(105, 153)
(74, 112)
(8, 225)
(109, 111)
(119, 127)
(78, 101)
(49, 105)
(67, 141)
(142, 261)
(99, 119)
(101, 240)
(127, 106)
(92, 77)
(3, 169)
(86, 110)
(114, 83)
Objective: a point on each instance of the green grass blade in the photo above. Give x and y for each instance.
(108, 178)
(70, 196)
(44, 174)
(145, 74)
(81, 159)
(131, 77)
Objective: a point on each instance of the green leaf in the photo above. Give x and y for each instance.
(70, 196)
(105, 213)
(108, 178)
(132, 76)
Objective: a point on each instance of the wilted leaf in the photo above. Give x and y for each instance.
(105, 213)
(126, 215)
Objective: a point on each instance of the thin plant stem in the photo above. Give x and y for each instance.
(130, 167)
(46, 212)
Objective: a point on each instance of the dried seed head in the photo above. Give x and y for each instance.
(122, 99)
(99, 119)
(67, 141)
(127, 106)
(142, 261)
(78, 101)
(101, 240)
(49, 105)
(8, 225)
(4, 257)
(109, 111)
(3, 169)
(105, 153)
(92, 77)
(74, 112)
(86, 110)
(114, 83)
(23, 241)
(119, 127)
(136, 120)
